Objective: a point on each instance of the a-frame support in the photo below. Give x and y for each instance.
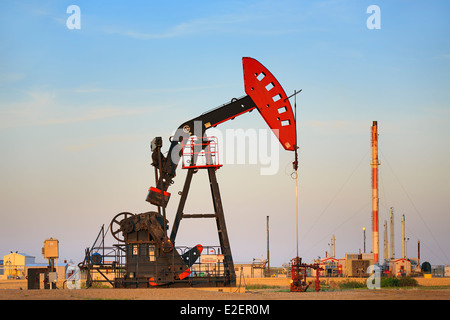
(218, 214)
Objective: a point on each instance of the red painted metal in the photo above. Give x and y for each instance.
(200, 153)
(151, 281)
(317, 282)
(187, 272)
(271, 100)
(153, 189)
(375, 220)
(298, 275)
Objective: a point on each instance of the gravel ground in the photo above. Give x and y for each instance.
(200, 294)
(16, 290)
(229, 303)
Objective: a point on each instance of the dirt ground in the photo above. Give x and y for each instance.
(428, 289)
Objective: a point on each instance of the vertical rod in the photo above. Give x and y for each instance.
(392, 234)
(103, 242)
(268, 253)
(333, 246)
(403, 238)
(364, 239)
(386, 253)
(295, 169)
(418, 254)
(296, 209)
(375, 237)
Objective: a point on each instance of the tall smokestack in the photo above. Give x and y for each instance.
(392, 234)
(375, 236)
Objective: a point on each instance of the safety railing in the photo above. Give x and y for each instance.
(200, 153)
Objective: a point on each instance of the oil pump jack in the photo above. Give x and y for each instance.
(152, 259)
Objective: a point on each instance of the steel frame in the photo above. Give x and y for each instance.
(218, 214)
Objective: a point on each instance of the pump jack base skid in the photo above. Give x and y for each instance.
(192, 282)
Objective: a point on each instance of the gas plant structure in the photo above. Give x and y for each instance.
(146, 255)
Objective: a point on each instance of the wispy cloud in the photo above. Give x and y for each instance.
(81, 147)
(437, 110)
(89, 89)
(214, 24)
(94, 114)
(26, 111)
(6, 78)
(111, 139)
(44, 107)
(248, 23)
(335, 124)
(338, 125)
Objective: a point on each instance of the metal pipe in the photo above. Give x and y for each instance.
(418, 254)
(403, 238)
(364, 239)
(375, 200)
(386, 253)
(295, 166)
(392, 234)
(268, 256)
(333, 246)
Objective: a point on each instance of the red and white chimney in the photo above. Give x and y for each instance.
(375, 235)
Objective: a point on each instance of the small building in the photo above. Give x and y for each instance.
(440, 270)
(356, 265)
(400, 267)
(14, 265)
(256, 269)
(331, 267)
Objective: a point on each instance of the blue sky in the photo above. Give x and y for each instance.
(80, 107)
